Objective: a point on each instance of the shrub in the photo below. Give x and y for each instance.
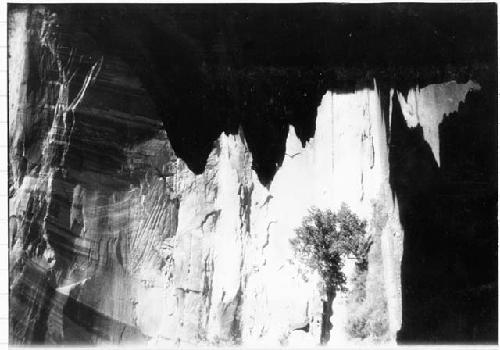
(367, 304)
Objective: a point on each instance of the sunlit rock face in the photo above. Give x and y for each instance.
(114, 239)
(428, 106)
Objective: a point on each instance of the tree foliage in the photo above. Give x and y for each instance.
(325, 237)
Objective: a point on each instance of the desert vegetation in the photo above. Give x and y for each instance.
(322, 241)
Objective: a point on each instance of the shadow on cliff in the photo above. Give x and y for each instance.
(50, 317)
(448, 213)
(211, 68)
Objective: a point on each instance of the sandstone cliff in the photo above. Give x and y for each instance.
(114, 239)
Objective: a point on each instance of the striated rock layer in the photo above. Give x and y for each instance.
(114, 239)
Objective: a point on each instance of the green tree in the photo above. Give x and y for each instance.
(322, 241)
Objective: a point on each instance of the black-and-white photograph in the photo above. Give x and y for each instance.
(258, 175)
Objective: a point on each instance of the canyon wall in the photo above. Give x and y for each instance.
(113, 238)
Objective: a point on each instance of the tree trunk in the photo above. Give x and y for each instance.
(326, 325)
